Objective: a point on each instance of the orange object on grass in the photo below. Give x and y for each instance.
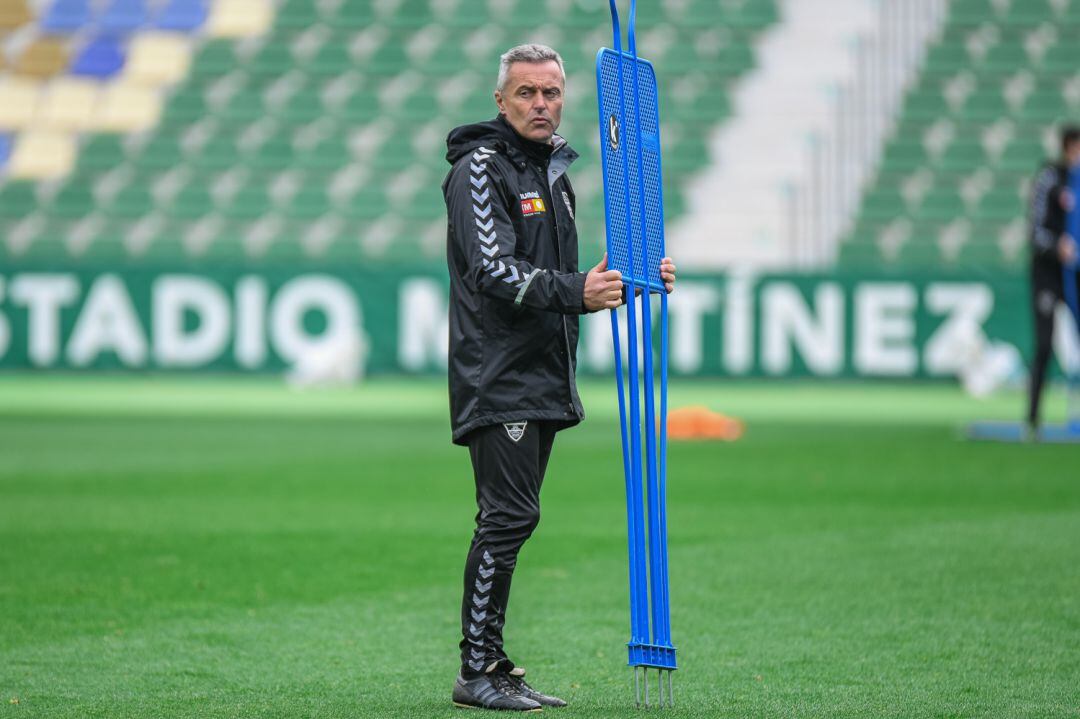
(702, 423)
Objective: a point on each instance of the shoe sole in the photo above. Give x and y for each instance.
(537, 710)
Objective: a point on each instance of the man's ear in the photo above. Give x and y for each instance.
(499, 102)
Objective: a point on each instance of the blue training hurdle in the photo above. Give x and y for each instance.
(634, 214)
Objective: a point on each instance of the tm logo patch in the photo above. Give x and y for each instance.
(532, 206)
(516, 430)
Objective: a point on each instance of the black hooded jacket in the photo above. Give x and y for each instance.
(515, 289)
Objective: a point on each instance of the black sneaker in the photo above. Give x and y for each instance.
(517, 678)
(491, 691)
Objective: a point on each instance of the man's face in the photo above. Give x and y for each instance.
(1072, 154)
(532, 99)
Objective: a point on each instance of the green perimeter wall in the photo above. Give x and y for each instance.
(260, 320)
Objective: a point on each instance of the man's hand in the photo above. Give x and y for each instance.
(1066, 250)
(603, 288)
(1066, 200)
(667, 274)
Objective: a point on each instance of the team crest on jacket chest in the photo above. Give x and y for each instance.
(531, 203)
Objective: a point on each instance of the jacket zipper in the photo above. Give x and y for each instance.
(558, 258)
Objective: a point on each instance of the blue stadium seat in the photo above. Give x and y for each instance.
(102, 57)
(66, 16)
(5, 149)
(182, 15)
(124, 16)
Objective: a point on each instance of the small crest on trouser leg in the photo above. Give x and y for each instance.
(516, 430)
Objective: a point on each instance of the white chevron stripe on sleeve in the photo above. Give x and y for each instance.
(524, 286)
(485, 223)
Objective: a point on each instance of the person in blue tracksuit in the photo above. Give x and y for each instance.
(1051, 249)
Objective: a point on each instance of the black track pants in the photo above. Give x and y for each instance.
(508, 475)
(1044, 301)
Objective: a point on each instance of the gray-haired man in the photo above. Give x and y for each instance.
(515, 294)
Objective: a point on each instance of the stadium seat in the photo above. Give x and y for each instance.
(1030, 12)
(73, 201)
(13, 14)
(1025, 154)
(275, 58)
(940, 206)
(156, 59)
(999, 205)
(44, 58)
(971, 12)
(18, 102)
(218, 153)
(186, 105)
(162, 151)
(1063, 57)
(42, 155)
(65, 16)
(239, 18)
(68, 104)
(125, 107)
(131, 203)
(101, 152)
(308, 204)
(181, 15)
(123, 16)
(297, 14)
(215, 58)
(102, 57)
(192, 203)
(18, 199)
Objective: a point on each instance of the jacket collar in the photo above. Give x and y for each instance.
(499, 135)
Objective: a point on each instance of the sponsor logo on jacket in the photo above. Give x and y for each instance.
(531, 203)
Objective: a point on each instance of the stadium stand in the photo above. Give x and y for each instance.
(313, 129)
(952, 185)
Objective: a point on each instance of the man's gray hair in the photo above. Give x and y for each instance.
(526, 53)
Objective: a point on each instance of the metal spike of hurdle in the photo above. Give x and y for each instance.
(634, 212)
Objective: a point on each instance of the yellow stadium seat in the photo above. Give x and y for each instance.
(125, 107)
(42, 155)
(239, 18)
(68, 103)
(44, 57)
(157, 59)
(18, 102)
(13, 13)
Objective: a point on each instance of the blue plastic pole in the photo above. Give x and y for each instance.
(656, 580)
(639, 626)
(663, 630)
(631, 512)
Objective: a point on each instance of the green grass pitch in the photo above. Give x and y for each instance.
(228, 548)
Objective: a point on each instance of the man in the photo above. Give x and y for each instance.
(515, 294)
(1052, 247)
